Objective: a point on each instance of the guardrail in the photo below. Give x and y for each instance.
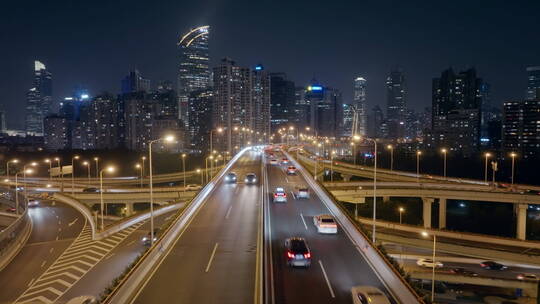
(132, 282)
(14, 237)
(389, 276)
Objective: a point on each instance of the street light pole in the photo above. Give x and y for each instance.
(391, 148)
(73, 174)
(332, 166)
(418, 153)
(50, 168)
(87, 164)
(425, 234)
(487, 155)
(184, 169)
(513, 155)
(401, 210)
(96, 159)
(108, 169)
(444, 155)
(7, 166)
(374, 190)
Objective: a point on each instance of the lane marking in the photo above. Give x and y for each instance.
(43, 264)
(74, 221)
(51, 250)
(228, 212)
(286, 179)
(327, 280)
(31, 282)
(211, 258)
(108, 257)
(236, 190)
(292, 193)
(303, 221)
(57, 237)
(130, 243)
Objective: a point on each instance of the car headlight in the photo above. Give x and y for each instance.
(246, 180)
(145, 239)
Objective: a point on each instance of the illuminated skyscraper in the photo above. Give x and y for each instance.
(533, 83)
(193, 70)
(38, 99)
(359, 95)
(396, 103)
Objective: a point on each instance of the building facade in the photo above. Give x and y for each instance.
(38, 99)
(521, 127)
(261, 107)
(396, 103)
(360, 104)
(282, 102)
(533, 83)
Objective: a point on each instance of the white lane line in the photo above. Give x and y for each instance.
(236, 190)
(169, 217)
(292, 193)
(74, 221)
(31, 282)
(211, 258)
(108, 257)
(228, 212)
(43, 264)
(57, 237)
(286, 179)
(130, 243)
(327, 280)
(51, 250)
(303, 221)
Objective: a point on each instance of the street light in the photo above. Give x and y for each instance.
(354, 152)
(444, 151)
(317, 160)
(110, 170)
(48, 161)
(401, 210)
(96, 159)
(87, 164)
(332, 165)
(425, 234)
(7, 166)
(26, 171)
(418, 153)
(487, 155)
(33, 164)
(206, 163)
(219, 130)
(374, 140)
(184, 169)
(513, 155)
(199, 171)
(138, 166)
(391, 148)
(167, 139)
(143, 167)
(73, 173)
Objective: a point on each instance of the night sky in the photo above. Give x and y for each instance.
(95, 43)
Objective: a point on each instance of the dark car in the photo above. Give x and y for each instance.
(250, 179)
(92, 190)
(490, 265)
(297, 252)
(463, 271)
(230, 177)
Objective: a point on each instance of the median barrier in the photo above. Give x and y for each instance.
(14, 237)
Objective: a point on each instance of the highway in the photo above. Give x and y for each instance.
(54, 229)
(337, 265)
(213, 258)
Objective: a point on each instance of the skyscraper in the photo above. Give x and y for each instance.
(260, 83)
(325, 109)
(359, 95)
(193, 69)
(38, 99)
(282, 101)
(134, 82)
(521, 127)
(396, 103)
(533, 83)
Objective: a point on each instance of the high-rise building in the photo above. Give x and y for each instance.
(200, 120)
(282, 102)
(38, 99)
(134, 82)
(260, 87)
(396, 103)
(533, 83)
(325, 109)
(55, 132)
(300, 112)
(349, 119)
(232, 107)
(375, 121)
(359, 96)
(3, 124)
(521, 127)
(193, 70)
(457, 109)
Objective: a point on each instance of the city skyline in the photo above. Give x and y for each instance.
(157, 62)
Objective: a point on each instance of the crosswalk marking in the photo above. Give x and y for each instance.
(78, 259)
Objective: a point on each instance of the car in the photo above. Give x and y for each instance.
(491, 265)
(250, 179)
(463, 271)
(325, 223)
(429, 263)
(11, 209)
(273, 161)
(302, 192)
(285, 161)
(83, 300)
(280, 196)
(193, 187)
(90, 190)
(368, 295)
(297, 252)
(230, 177)
(291, 170)
(33, 203)
(146, 239)
(527, 276)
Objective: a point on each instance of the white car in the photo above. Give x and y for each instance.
(33, 203)
(368, 295)
(302, 192)
(274, 162)
(325, 223)
(193, 187)
(280, 196)
(429, 263)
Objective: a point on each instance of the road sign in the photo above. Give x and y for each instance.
(61, 171)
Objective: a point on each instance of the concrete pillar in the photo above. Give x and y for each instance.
(428, 201)
(129, 209)
(442, 213)
(521, 230)
(346, 177)
(386, 199)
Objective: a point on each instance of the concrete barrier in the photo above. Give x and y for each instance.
(14, 237)
(393, 281)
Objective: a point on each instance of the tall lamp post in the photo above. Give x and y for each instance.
(184, 169)
(444, 151)
(138, 166)
(143, 167)
(219, 130)
(425, 234)
(513, 155)
(26, 171)
(33, 164)
(96, 159)
(73, 173)
(87, 164)
(418, 153)
(391, 148)
(110, 170)
(401, 210)
(486, 155)
(7, 166)
(167, 139)
(332, 165)
(48, 161)
(374, 188)
(199, 172)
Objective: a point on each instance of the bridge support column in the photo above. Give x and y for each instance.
(346, 177)
(386, 199)
(442, 213)
(129, 209)
(521, 230)
(428, 201)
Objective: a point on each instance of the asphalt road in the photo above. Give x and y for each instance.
(336, 264)
(213, 260)
(54, 228)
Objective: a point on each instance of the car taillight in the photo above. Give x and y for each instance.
(290, 255)
(307, 255)
(276, 195)
(284, 194)
(483, 265)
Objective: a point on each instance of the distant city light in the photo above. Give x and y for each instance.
(484, 139)
(258, 68)
(315, 88)
(84, 96)
(68, 98)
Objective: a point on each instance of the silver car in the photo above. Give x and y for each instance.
(280, 196)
